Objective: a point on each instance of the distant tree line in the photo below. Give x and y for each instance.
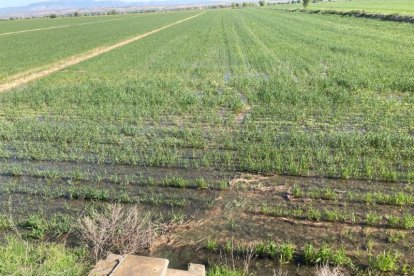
(260, 3)
(247, 4)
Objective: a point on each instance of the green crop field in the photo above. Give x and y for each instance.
(42, 47)
(286, 136)
(44, 23)
(405, 7)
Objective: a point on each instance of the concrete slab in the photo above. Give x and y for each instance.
(133, 265)
(105, 267)
(177, 272)
(197, 269)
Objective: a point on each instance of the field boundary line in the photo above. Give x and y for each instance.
(67, 26)
(35, 30)
(21, 78)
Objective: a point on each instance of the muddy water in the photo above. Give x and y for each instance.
(224, 215)
(231, 220)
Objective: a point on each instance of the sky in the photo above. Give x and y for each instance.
(17, 3)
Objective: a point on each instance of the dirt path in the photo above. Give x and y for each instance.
(64, 26)
(21, 79)
(35, 30)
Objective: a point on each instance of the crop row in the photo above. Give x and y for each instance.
(400, 198)
(285, 253)
(78, 174)
(405, 221)
(107, 195)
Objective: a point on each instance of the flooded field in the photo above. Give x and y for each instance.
(243, 140)
(232, 209)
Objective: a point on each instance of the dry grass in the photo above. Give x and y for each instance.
(326, 270)
(121, 230)
(233, 260)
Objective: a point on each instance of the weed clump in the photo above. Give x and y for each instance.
(326, 255)
(5, 223)
(175, 181)
(385, 262)
(223, 271)
(19, 257)
(37, 225)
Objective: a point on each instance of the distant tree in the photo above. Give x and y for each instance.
(237, 5)
(53, 15)
(76, 14)
(306, 3)
(262, 3)
(112, 12)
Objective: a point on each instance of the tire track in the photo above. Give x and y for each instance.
(21, 79)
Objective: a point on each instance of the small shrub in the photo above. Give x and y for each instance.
(385, 262)
(228, 247)
(407, 221)
(328, 193)
(212, 245)
(286, 251)
(61, 224)
(331, 215)
(260, 249)
(121, 230)
(309, 253)
(339, 257)
(314, 214)
(201, 183)
(297, 191)
(323, 255)
(372, 219)
(223, 184)
(271, 249)
(393, 221)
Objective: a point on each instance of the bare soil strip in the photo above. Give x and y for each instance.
(24, 79)
(35, 30)
(62, 26)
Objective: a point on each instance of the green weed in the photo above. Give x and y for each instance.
(24, 258)
(385, 262)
